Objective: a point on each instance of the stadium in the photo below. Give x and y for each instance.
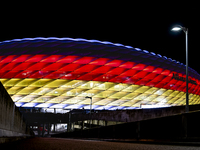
(63, 72)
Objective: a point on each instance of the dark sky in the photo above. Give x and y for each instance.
(147, 27)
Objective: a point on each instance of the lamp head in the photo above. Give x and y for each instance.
(177, 28)
(88, 97)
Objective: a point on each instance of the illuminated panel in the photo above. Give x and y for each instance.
(9, 66)
(68, 59)
(56, 74)
(84, 60)
(54, 66)
(52, 59)
(14, 90)
(36, 58)
(24, 74)
(114, 63)
(104, 93)
(38, 66)
(86, 68)
(40, 74)
(127, 65)
(21, 58)
(10, 74)
(42, 91)
(22, 66)
(100, 61)
(40, 82)
(70, 67)
(139, 74)
(11, 82)
(115, 77)
(8, 59)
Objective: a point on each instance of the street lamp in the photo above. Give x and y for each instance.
(179, 28)
(90, 103)
(90, 109)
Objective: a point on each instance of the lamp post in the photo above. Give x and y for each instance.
(179, 28)
(90, 109)
(90, 103)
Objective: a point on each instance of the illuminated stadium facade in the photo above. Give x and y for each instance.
(61, 72)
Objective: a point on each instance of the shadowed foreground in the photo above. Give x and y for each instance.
(76, 144)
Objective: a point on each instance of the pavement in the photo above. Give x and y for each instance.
(80, 144)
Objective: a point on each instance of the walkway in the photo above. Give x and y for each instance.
(76, 144)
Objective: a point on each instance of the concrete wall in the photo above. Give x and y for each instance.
(183, 126)
(130, 115)
(115, 116)
(133, 115)
(11, 120)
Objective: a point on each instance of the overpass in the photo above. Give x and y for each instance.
(83, 119)
(176, 127)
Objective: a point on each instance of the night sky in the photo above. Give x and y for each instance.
(145, 27)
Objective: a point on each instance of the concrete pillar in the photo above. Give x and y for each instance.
(90, 123)
(106, 123)
(113, 132)
(43, 130)
(68, 127)
(48, 128)
(138, 130)
(69, 123)
(184, 126)
(73, 126)
(54, 127)
(39, 130)
(82, 125)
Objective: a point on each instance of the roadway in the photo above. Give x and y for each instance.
(78, 144)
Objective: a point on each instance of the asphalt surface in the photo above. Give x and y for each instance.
(76, 144)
